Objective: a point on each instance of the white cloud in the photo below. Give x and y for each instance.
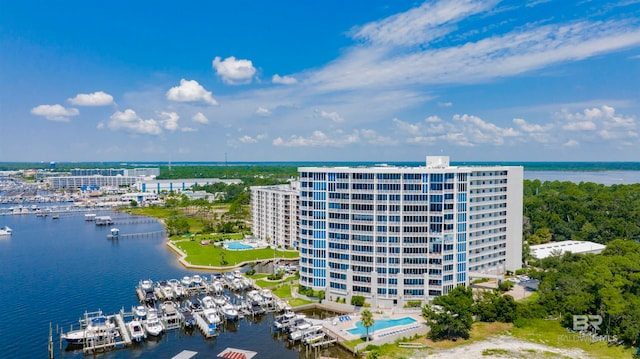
(571, 143)
(190, 91)
(169, 120)
(234, 72)
(397, 51)
(318, 139)
(200, 118)
(283, 80)
(55, 112)
(98, 98)
(130, 121)
(445, 104)
(333, 116)
(263, 111)
(249, 139)
(603, 120)
(463, 130)
(188, 129)
(419, 25)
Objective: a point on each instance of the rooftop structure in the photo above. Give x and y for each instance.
(541, 251)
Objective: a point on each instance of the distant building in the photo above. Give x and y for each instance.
(399, 234)
(179, 185)
(90, 182)
(541, 251)
(274, 214)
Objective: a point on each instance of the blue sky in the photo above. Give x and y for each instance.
(319, 81)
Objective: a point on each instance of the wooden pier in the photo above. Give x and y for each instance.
(122, 327)
(153, 234)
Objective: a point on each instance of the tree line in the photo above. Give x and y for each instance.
(558, 211)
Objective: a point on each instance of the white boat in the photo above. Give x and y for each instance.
(146, 285)
(207, 302)
(186, 281)
(96, 328)
(255, 296)
(167, 290)
(302, 331)
(313, 337)
(229, 311)
(267, 295)
(211, 315)
(153, 326)
(6, 231)
(237, 284)
(171, 317)
(217, 287)
(136, 331)
(196, 280)
(140, 312)
(178, 288)
(220, 300)
(237, 274)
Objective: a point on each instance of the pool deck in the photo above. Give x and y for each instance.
(340, 328)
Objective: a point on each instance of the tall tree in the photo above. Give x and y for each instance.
(367, 320)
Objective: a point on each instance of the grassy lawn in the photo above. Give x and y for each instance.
(155, 212)
(550, 332)
(296, 302)
(211, 255)
(283, 292)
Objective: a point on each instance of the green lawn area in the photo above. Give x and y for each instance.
(296, 302)
(211, 255)
(550, 332)
(283, 292)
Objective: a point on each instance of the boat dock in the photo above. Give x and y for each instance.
(204, 326)
(122, 327)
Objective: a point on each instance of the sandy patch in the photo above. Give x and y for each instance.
(506, 347)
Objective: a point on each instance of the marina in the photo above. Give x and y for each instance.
(71, 270)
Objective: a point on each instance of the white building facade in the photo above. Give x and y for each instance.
(400, 234)
(274, 214)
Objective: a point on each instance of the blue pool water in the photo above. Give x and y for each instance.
(380, 324)
(236, 246)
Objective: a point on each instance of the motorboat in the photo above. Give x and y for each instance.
(298, 324)
(256, 308)
(220, 300)
(178, 288)
(194, 304)
(211, 315)
(166, 289)
(313, 337)
(207, 302)
(140, 312)
(255, 296)
(189, 319)
(217, 287)
(229, 311)
(136, 331)
(6, 231)
(286, 320)
(267, 295)
(95, 328)
(302, 331)
(196, 280)
(170, 315)
(186, 281)
(153, 326)
(146, 285)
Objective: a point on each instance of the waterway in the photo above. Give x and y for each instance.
(52, 271)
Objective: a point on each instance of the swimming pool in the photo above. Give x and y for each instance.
(237, 246)
(380, 324)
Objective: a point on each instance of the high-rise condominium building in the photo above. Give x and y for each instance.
(274, 214)
(399, 234)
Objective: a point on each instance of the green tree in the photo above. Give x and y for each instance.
(450, 316)
(367, 320)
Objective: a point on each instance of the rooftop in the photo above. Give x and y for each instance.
(546, 250)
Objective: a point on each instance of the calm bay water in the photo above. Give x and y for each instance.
(52, 271)
(602, 177)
